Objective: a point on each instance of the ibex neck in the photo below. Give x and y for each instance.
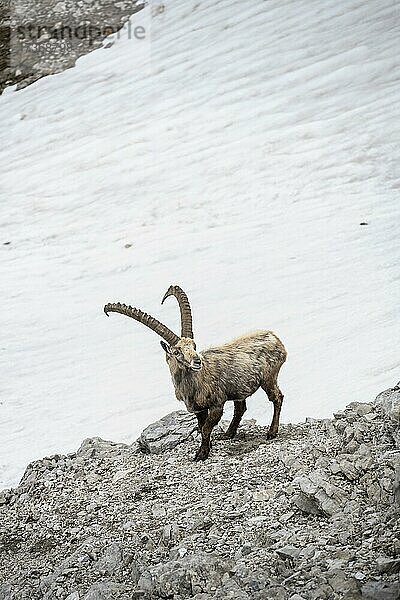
(186, 383)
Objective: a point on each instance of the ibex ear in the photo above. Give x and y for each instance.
(165, 347)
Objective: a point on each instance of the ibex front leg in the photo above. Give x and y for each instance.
(213, 417)
(201, 418)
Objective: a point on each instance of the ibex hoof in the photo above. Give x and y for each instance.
(271, 435)
(202, 454)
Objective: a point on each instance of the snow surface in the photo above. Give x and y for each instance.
(238, 153)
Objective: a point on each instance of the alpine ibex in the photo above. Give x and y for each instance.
(204, 381)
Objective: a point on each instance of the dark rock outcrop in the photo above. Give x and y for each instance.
(43, 37)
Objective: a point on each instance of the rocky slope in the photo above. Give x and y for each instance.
(312, 514)
(47, 36)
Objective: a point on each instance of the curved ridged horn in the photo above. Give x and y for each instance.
(184, 306)
(137, 314)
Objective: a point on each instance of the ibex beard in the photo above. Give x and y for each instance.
(205, 380)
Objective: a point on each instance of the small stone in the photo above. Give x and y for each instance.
(335, 467)
(343, 584)
(5, 496)
(364, 463)
(323, 592)
(104, 590)
(158, 510)
(388, 565)
(170, 533)
(111, 560)
(289, 552)
(360, 408)
(307, 504)
(261, 496)
(308, 552)
(6, 592)
(374, 492)
(340, 414)
(396, 484)
(348, 470)
(380, 590)
(286, 516)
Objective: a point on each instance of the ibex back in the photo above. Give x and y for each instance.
(204, 381)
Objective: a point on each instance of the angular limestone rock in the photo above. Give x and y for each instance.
(193, 574)
(317, 495)
(380, 590)
(389, 400)
(168, 432)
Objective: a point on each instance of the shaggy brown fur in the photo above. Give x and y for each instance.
(204, 381)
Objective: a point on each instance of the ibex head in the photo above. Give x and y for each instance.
(183, 355)
(180, 351)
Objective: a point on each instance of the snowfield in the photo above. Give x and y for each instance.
(237, 151)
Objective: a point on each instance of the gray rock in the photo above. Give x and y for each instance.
(322, 592)
(230, 591)
(318, 495)
(360, 408)
(380, 590)
(111, 560)
(104, 590)
(289, 552)
(396, 484)
(344, 585)
(48, 50)
(168, 432)
(388, 565)
(5, 591)
(363, 463)
(5, 496)
(272, 593)
(158, 510)
(374, 491)
(96, 446)
(308, 504)
(389, 401)
(193, 574)
(396, 437)
(170, 534)
(348, 469)
(116, 524)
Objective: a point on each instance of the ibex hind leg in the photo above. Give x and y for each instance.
(239, 410)
(270, 386)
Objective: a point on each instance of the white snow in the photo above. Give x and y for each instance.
(239, 164)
